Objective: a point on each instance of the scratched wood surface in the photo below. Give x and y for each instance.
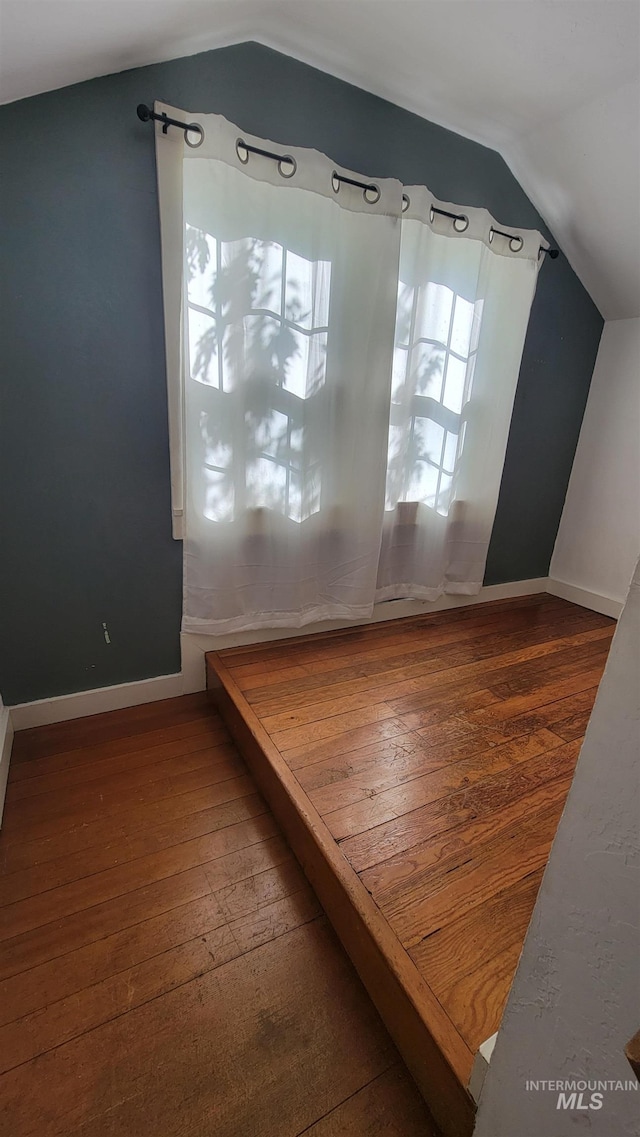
(165, 969)
(439, 750)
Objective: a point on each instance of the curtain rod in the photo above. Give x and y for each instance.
(145, 114)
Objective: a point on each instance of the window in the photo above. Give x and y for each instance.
(437, 333)
(257, 309)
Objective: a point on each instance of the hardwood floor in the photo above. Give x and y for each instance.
(165, 968)
(435, 753)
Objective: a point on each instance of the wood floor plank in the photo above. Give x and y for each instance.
(435, 669)
(331, 727)
(232, 1019)
(485, 932)
(101, 769)
(122, 753)
(482, 997)
(386, 1107)
(29, 949)
(524, 722)
(118, 828)
(573, 726)
(409, 876)
(111, 954)
(528, 665)
(439, 770)
(349, 640)
(460, 883)
(506, 709)
(368, 657)
(334, 650)
(233, 840)
(122, 785)
(376, 671)
(85, 966)
(353, 739)
(363, 814)
(461, 815)
(98, 857)
(217, 942)
(79, 733)
(31, 820)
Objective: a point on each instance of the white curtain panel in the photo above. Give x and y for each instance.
(289, 288)
(464, 297)
(321, 462)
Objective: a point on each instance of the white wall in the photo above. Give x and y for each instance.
(575, 1000)
(6, 741)
(582, 172)
(599, 536)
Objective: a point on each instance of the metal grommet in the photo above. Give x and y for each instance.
(406, 202)
(194, 126)
(371, 190)
(461, 224)
(335, 182)
(515, 244)
(432, 215)
(288, 160)
(491, 232)
(241, 145)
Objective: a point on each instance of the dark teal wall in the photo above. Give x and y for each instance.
(84, 465)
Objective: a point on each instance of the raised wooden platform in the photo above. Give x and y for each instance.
(419, 769)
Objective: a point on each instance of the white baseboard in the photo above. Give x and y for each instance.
(6, 742)
(82, 703)
(594, 600)
(480, 1067)
(192, 677)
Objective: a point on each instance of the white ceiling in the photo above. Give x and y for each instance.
(552, 84)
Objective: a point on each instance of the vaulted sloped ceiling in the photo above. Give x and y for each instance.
(552, 84)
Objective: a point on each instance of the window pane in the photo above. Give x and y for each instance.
(400, 356)
(266, 485)
(307, 291)
(444, 496)
(427, 362)
(423, 484)
(453, 397)
(462, 326)
(428, 438)
(200, 255)
(434, 313)
(304, 368)
(406, 296)
(218, 494)
(203, 348)
(450, 450)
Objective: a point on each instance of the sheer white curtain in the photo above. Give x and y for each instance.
(289, 283)
(464, 297)
(318, 462)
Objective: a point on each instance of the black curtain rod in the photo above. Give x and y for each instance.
(147, 115)
(553, 253)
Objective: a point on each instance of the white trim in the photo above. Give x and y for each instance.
(595, 600)
(82, 703)
(192, 677)
(480, 1067)
(6, 742)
